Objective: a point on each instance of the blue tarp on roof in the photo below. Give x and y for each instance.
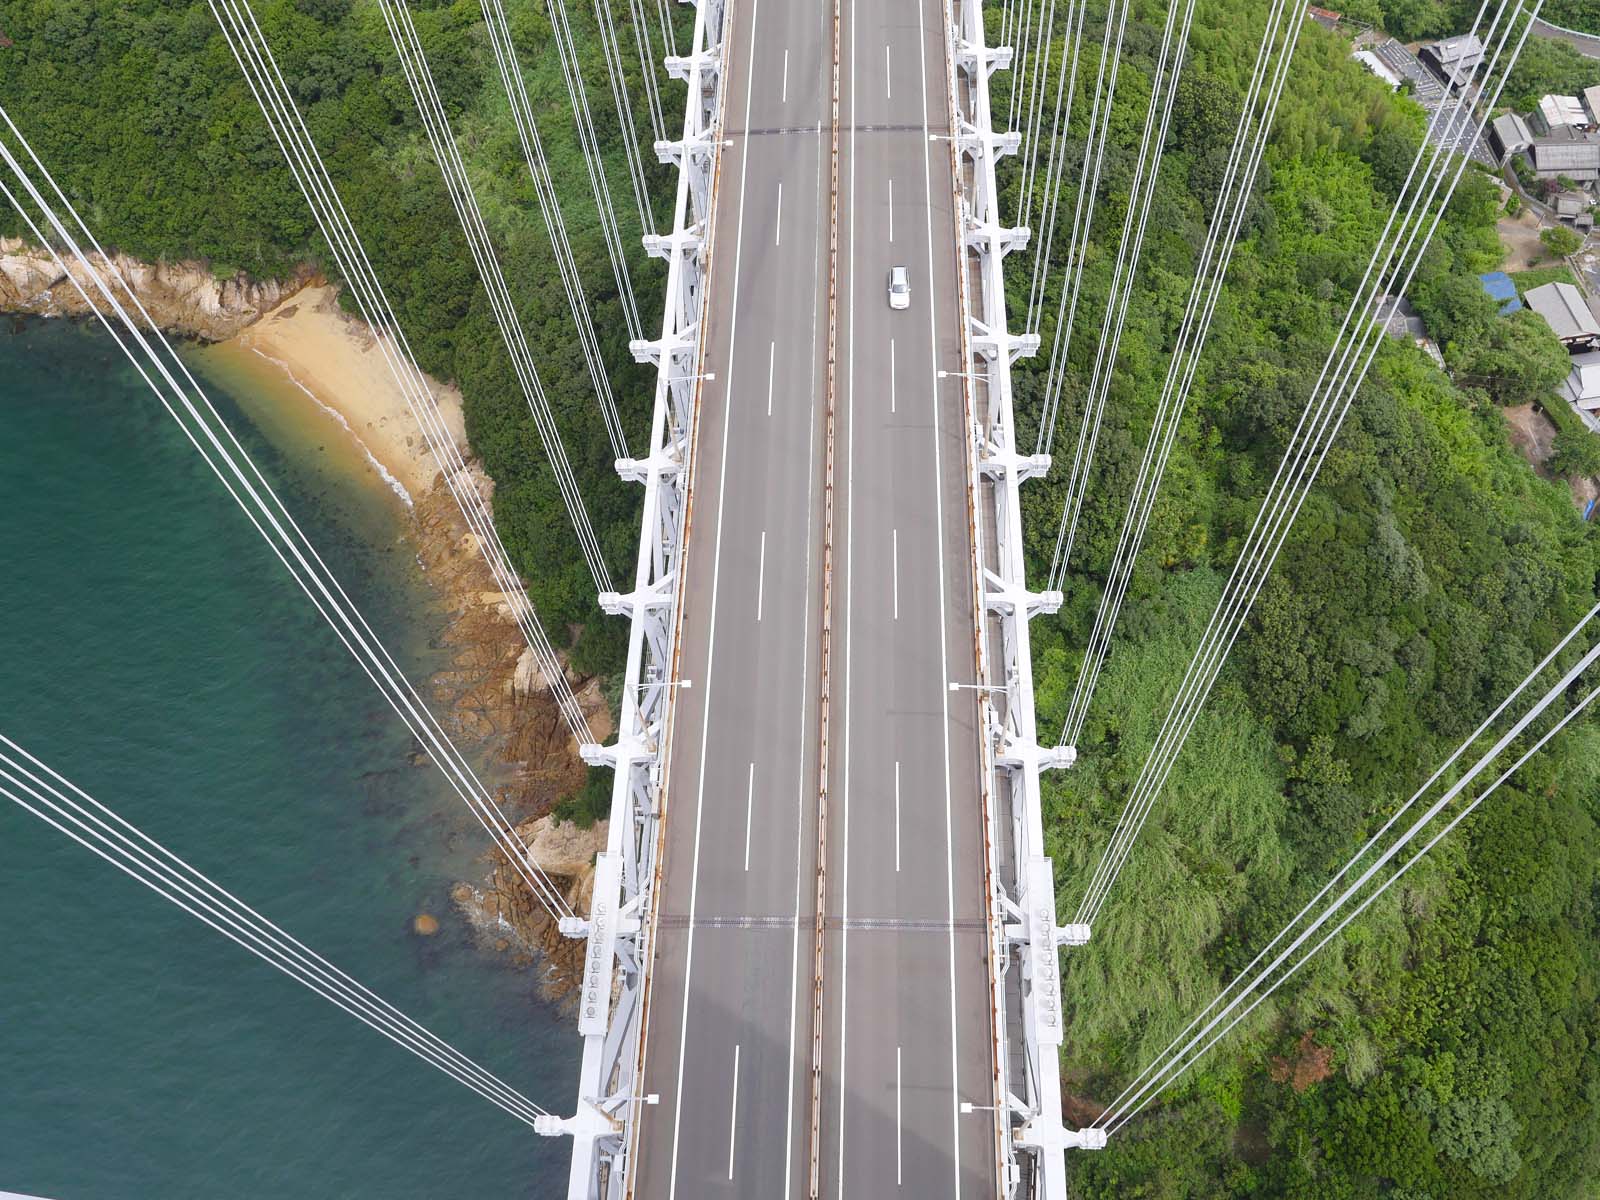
(1499, 286)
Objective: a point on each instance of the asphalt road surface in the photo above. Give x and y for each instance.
(906, 1030)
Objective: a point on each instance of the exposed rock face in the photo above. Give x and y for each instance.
(184, 298)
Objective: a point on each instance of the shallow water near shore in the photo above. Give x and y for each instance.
(155, 653)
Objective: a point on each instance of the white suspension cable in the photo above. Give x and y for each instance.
(669, 37)
(605, 23)
(1232, 204)
(1066, 89)
(43, 792)
(1019, 63)
(1029, 150)
(1471, 740)
(1141, 196)
(1171, 1064)
(555, 224)
(1094, 153)
(288, 129)
(1346, 365)
(153, 357)
(589, 144)
(430, 107)
(647, 68)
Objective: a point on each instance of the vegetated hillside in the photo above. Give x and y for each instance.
(1413, 19)
(1446, 1045)
(142, 115)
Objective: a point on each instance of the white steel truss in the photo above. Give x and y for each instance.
(619, 926)
(1025, 939)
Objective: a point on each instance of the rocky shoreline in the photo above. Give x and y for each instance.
(494, 700)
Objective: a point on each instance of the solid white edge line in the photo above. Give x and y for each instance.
(711, 642)
(944, 665)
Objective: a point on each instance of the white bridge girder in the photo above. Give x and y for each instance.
(619, 926)
(1025, 938)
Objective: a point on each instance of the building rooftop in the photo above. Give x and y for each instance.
(1566, 151)
(1560, 111)
(1457, 57)
(1591, 101)
(1564, 309)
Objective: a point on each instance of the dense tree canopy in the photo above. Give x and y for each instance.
(1456, 1025)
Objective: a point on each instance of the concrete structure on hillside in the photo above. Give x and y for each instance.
(1508, 135)
(1567, 313)
(1454, 60)
(1558, 112)
(1378, 67)
(1582, 387)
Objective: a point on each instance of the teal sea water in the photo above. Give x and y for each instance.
(155, 653)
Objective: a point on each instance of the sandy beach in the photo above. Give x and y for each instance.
(338, 363)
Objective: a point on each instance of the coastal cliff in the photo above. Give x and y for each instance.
(184, 298)
(496, 706)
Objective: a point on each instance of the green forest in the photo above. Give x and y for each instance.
(1447, 1045)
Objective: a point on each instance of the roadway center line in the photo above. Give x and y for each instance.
(891, 210)
(777, 224)
(899, 1125)
(733, 1112)
(891, 366)
(888, 80)
(761, 576)
(772, 363)
(897, 814)
(785, 77)
(894, 554)
(749, 813)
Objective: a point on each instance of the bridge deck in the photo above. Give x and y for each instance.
(907, 1032)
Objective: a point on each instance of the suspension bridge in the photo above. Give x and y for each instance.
(824, 954)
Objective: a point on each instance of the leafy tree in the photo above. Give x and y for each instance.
(1577, 453)
(1560, 241)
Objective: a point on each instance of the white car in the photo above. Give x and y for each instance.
(899, 288)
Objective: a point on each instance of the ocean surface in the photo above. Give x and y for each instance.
(155, 653)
